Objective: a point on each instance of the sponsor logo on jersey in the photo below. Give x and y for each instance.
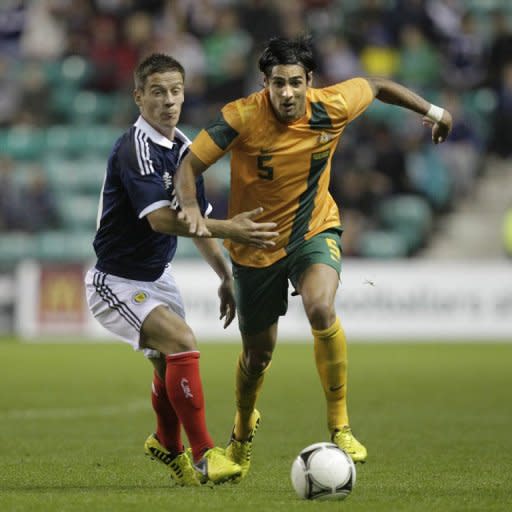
(139, 297)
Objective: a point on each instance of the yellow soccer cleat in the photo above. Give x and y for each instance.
(241, 451)
(180, 467)
(215, 467)
(347, 442)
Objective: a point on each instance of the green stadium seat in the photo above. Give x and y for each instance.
(98, 139)
(61, 99)
(78, 212)
(23, 143)
(381, 244)
(72, 71)
(84, 176)
(430, 177)
(408, 216)
(64, 141)
(65, 246)
(15, 247)
(91, 107)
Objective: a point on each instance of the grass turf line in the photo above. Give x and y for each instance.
(436, 420)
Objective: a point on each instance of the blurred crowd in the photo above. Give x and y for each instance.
(59, 57)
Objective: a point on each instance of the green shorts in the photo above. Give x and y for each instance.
(262, 293)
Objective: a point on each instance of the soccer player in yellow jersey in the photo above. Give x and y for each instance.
(281, 140)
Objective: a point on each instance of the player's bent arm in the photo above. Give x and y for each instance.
(241, 228)
(189, 169)
(212, 254)
(164, 220)
(393, 93)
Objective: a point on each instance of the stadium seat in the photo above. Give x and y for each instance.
(65, 246)
(381, 244)
(64, 141)
(15, 247)
(82, 175)
(78, 212)
(22, 143)
(72, 71)
(91, 107)
(409, 216)
(430, 178)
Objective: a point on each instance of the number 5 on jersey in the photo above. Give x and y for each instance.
(264, 171)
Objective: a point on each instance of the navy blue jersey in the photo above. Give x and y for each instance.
(139, 180)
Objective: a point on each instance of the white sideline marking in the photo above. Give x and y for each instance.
(74, 412)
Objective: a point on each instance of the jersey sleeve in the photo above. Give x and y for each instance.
(143, 184)
(219, 136)
(355, 96)
(202, 201)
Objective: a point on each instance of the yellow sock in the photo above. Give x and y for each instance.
(248, 386)
(331, 363)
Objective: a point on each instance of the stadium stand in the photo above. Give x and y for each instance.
(66, 85)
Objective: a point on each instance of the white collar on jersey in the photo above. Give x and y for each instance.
(160, 139)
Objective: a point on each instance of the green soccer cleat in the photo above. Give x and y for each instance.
(215, 467)
(241, 451)
(180, 467)
(348, 443)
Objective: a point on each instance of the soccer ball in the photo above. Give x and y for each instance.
(323, 471)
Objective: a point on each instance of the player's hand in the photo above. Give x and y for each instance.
(255, 234)
(195, 221)
(227, 301)
(440, 130)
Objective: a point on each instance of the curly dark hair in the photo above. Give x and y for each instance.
(281, 50)
(155, 63)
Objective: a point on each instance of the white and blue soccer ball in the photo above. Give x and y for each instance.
(323, 471)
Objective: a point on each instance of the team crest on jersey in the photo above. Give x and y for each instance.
(325, 137)
(140, 297)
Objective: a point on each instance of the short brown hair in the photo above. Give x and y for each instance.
(155, 63)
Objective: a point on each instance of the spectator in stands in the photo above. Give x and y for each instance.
(338, 60)
(461, 153)
(500, 47)
(112, 57)
(465, 57)
(39, 211)
(226, 50)
(10, 202)
(419, 61)
(12, 22)
(501, 130)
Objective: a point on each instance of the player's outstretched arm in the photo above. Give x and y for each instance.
(212, 254)
(185, 184)
(241, 228)
(391, 92)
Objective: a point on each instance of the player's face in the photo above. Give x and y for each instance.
(287, 86)
(161, 100)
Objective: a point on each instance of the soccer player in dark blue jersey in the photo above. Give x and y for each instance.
(131, 290)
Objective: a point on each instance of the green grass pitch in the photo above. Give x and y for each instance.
(436, 418)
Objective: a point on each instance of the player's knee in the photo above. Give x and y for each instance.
(258, 361)
(321, 315)
(185, 342)
(175, 341)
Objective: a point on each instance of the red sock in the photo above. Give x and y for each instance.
(168, 428)
(185, 392)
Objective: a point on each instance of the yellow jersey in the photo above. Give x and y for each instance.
(284, 168)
